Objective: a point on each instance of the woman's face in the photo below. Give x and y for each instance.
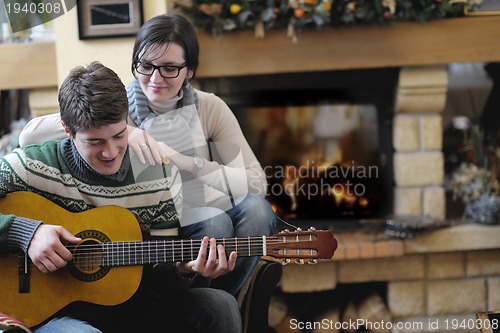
(155, 87)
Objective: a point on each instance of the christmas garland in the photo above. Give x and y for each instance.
(219, 16)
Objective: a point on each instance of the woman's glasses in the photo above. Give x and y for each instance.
(166, 71)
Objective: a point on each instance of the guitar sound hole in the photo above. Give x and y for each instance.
(88, 257)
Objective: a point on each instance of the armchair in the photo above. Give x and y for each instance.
(255, 299)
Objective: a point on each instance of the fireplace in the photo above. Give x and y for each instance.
(323, 138)
(417, 277)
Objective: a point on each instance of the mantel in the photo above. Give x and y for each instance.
(28, 65)
(466, 39)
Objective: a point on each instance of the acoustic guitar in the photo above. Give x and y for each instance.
(107, 265)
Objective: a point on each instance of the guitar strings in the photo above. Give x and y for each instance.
(185, 246)
(176, 244)
(253, 245)
(92, 256)
(122, 253)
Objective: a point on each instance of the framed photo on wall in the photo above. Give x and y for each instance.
(109, 18)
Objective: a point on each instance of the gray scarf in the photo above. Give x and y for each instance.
(139, 110)
(179, 128)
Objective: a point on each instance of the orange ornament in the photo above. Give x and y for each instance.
(205, 9)
(299, 12)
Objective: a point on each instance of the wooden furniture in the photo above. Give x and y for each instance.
(254, 303)
(24, 66)
(28, 65)
(467, 39)
(489, 321)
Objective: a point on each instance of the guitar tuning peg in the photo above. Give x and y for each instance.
(312, 261)
(284, 231)
(312, 229)
(299, 261)
(299, 229)
(285, 261)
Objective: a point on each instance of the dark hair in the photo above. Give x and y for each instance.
(92, 97)
(162, 30)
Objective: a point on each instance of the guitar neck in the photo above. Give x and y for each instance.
(161, 251)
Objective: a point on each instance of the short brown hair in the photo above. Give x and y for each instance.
(162, 30)
(91, 97)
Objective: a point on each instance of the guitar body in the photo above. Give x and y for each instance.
(50, 292)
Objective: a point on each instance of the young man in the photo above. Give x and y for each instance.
(91, 168)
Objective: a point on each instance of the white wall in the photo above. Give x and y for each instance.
(115, 53)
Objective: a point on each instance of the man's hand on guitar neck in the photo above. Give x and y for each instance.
(213, 265)
(46, 249)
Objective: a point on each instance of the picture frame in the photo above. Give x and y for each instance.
(487, 7)
(109, 18)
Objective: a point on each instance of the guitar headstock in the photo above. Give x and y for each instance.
(301, 245)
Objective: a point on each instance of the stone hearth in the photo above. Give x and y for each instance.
(450, 273)
(423, 274)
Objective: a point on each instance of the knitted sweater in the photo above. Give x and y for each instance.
(56, 171)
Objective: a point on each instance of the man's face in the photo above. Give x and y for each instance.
(103, 148)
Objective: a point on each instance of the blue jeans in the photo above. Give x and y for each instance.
(202, 310)
(251, 217)
(67, 324)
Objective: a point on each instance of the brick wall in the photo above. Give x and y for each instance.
(417, 141)
(418, 284)
(450, 283)
(450, 271)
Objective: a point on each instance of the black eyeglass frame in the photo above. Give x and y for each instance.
(158, 68)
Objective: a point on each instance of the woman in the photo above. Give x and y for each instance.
(223, 183)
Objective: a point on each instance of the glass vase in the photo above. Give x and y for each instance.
(484, 210)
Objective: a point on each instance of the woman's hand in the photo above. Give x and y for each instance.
(212, 265)
(145, 147)
(47, 250)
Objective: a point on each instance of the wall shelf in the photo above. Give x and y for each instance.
(28, 65)
(466, 39)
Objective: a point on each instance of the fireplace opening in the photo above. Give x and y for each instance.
(324, 140)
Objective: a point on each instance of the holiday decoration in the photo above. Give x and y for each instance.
(222, 16)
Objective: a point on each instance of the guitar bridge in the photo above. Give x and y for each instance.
(23, 272)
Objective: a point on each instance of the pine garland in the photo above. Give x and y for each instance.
(220, 16)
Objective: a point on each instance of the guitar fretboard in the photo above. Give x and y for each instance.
(140, 253)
